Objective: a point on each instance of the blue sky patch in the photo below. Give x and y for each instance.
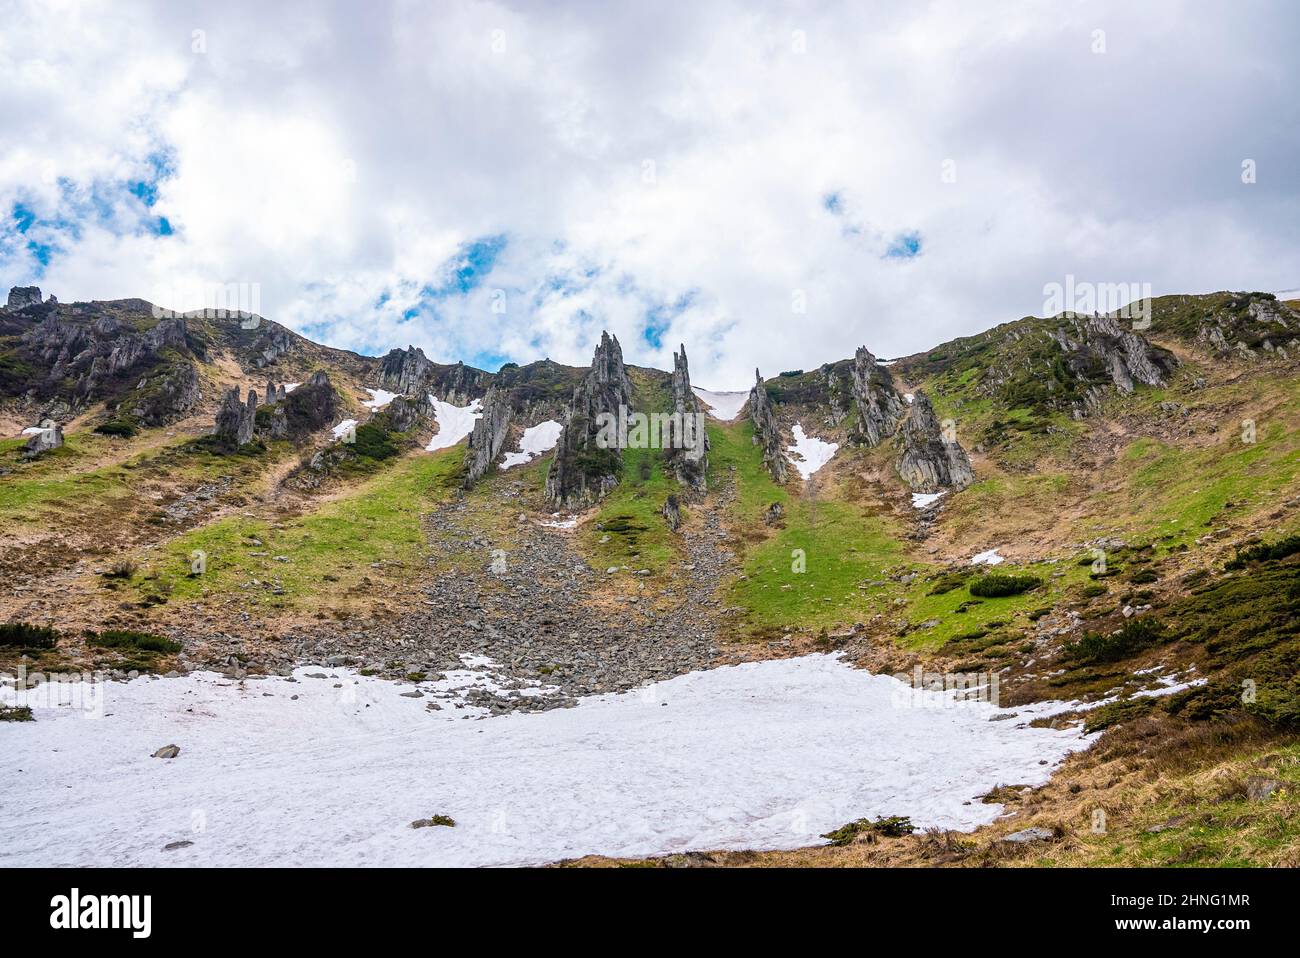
(904, 246)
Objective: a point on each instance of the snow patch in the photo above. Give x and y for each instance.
(909, 397)
(812, 453)
(454, 422)
(379, 398)
(759, 755)
(924, 500)
(722, 405)
(555, 522)
(342, 428)
(535, 441)
(987, 558)
(290, 387)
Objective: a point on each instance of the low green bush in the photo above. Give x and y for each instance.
(997, 585)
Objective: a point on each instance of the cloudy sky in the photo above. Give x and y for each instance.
(772, 184)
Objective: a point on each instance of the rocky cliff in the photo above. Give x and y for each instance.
(582, 471)
(489, 436)
(410, 372)
(767, 432)
(929, 460)
(687, 455)
(877, 404)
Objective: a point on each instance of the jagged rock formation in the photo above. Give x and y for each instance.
(274, 343)
(767, 434)
(1127, 356)
(878, 404)
(687, 453)
(405, 370)
(20, 296)
(672, 512)
(582, 471)
(236, 418)
(50, 437)
(167, 393)
(1250, 325)
(928, 461)
(89, 357)
(400, 415)
(410, 372)
(488, 437)
(309, 408)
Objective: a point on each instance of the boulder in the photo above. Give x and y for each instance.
(50, 437)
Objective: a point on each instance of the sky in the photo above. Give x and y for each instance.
(770, 184)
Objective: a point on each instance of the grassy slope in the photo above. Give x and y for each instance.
(331, 551)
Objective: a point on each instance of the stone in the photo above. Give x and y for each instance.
(1259, 788)
(236, 418)
(167, 751)
(672, 513)
(1024, 836)
(878, 403)
(50, 437)
(775, 513)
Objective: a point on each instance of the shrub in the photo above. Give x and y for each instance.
(1092, 591)
(124, 569)
(16, 713)
(1265, 553)
(374, 443)
(948, 581)
(1144, 576)
(1134, 636)
(131, 639)
(997, 585)
(25, 636)
(117, 427)
(895, 826)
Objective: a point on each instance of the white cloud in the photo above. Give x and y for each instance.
(343, 157)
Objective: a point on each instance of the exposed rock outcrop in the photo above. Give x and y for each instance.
(405, 370)
(400, 415)
(101, 358)
(410, 372)
(687, 451)
(672, 513)
(50, 437)
(20, 296)
(488, 437)
(767, 433)
(1252, 326)
(236, 418)
(1097, 346)
(878, 405)
(167, 393)
(273, 344)
(582, 470)
(930, 461)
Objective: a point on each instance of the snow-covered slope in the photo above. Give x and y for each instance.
(331, 770)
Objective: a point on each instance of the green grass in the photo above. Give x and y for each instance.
(630, 521)
(328, 551)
